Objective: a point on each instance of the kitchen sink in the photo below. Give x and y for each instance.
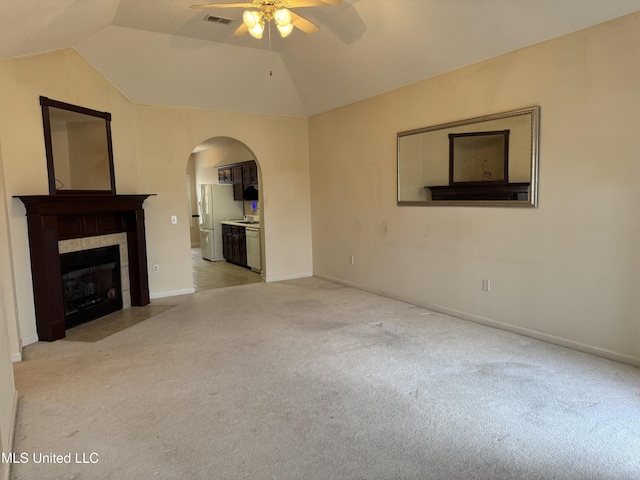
(247, 220)
(244, 222)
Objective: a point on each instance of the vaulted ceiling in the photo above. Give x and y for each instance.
(162, 52)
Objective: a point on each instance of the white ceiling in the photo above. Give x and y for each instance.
(162, 52)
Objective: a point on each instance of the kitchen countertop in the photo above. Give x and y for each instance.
(239, 223)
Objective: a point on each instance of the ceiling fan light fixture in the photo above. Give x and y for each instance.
(256, 31)
(253, 21)
(285, 20)
(282, 18)
(286, 30)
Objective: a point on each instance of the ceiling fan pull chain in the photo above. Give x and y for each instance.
(269, 33)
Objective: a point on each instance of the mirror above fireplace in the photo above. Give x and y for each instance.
(78, 148)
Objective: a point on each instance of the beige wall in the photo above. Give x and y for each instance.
(151, 148)
(566, 271)
(166, 137)
(8, 335)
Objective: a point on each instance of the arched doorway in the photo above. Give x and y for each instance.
(219, 216)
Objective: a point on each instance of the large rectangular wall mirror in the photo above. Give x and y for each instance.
(78, 148)
(491, 160)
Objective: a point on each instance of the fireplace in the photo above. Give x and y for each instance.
(91, 284)
(56, 224)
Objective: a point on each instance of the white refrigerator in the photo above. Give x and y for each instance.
(215, 204)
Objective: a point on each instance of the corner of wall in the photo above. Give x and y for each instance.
(5, 467)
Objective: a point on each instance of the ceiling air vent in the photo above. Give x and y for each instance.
(223, 21)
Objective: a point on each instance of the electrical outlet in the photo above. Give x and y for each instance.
(174, 219)
(352, 259)
(486, 285)
(156, 268)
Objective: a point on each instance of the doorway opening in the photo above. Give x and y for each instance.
(223, 185)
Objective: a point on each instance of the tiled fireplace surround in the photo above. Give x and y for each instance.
(65, 223)
(88, 243)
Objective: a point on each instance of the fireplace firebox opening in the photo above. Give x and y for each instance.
(91, 284)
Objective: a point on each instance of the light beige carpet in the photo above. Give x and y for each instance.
(310, 380)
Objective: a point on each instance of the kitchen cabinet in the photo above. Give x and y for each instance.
(234, 245)
(244, 178)
(226, 241)
(238, 188)
(250, 175)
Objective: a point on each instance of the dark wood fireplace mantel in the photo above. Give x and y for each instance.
(51, 218)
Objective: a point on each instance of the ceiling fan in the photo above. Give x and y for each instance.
(276, 10)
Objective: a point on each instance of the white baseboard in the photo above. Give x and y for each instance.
(545, 337)
(287, 277)
(17, 356)
(5, 468)
(29, 340)
(175, 293)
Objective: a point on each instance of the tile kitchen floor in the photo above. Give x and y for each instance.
(208, 275)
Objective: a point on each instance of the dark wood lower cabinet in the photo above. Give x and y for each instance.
(234, 245)
(226, 241)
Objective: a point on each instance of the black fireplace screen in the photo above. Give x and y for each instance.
(91, 284)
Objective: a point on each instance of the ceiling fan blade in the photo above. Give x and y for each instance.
(310, 3)
(305, 25)
(241, 30)
(224, 5)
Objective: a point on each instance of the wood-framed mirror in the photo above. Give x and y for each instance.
(483, 161)
(78, 148)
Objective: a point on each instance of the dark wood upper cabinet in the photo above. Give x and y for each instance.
(236, 177)
(250, 174)
(243, 176)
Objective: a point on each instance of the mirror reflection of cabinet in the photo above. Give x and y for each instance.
(78, 148)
